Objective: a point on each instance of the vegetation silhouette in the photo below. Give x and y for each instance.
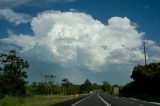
(146, 81)
(12, 75)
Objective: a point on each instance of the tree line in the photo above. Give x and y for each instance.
(13, 80)
(68, 88)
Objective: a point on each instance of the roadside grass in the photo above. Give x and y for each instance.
(37, 100)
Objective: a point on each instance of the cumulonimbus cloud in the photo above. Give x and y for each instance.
(74, 37)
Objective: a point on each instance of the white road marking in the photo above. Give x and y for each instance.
(105, 102)
(80, 100)
(156, 103)
(142, 100)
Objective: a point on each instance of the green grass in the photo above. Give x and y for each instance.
(34, 100)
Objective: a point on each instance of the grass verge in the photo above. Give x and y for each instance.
(34, 100)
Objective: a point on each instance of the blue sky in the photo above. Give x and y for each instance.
(79, 39)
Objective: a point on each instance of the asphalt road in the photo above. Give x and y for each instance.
(92, 100)
(99, 99)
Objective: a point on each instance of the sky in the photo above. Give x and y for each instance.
(101, 40)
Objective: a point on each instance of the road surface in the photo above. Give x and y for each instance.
(99, 99)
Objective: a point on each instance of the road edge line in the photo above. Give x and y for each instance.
(156, 103)
(105, 102)
(80, 100)
(135, 99)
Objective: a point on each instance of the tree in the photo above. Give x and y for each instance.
(106, 87)
(86, 87)
(146, 80)
(95, 86)
(65, 84)
(65, 81)
(12, 77)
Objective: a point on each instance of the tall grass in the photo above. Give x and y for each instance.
(34, 100)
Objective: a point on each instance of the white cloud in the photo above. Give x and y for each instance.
(24, 41)
(72, 10)
(77, 40)
(149, 42)
(152, 46)
(155, 48)
(155, 59)
(14, 17)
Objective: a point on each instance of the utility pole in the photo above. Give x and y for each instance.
(145, 61)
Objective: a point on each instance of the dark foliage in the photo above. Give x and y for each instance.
(106, 87)
(86, 87)
(146, 81)
(12, 75)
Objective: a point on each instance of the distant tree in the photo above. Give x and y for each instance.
(86, 87)
(12, 77)
(66, 88)
(95, 86)
(106, 87)
(72, 89)
(65, 84)
(65, 81)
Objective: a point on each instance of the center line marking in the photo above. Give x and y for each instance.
(105, 102)
(80, 100)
